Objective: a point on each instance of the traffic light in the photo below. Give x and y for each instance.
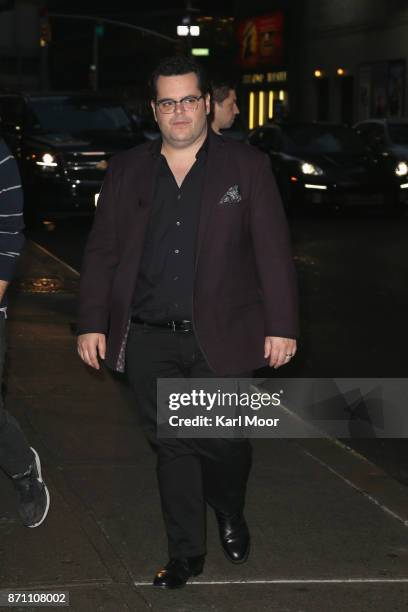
(45, 27)
(99, 30)
(45, 31)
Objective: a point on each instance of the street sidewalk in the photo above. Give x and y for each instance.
(329, 529)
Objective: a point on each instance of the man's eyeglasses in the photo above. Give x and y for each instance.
(189, 103)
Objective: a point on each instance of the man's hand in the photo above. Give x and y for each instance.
(279, 350)
(3, 287)
(90, 346)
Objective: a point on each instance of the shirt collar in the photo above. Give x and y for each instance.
(201, 153)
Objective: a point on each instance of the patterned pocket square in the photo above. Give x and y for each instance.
(232, 196)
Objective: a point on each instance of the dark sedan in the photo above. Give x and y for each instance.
(62, 144)
(329, 166)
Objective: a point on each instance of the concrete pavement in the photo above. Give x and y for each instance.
(329, 528)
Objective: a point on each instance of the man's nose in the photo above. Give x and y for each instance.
(236, 109)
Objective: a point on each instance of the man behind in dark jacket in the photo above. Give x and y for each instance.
(224, 107)
(17, 459)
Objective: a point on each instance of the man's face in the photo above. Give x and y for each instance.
(182, 127)
(226, 112)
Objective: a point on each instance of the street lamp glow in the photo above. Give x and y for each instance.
(182, 30)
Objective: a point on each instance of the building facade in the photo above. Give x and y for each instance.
(20, 53)
(342, 61)
(352, 62)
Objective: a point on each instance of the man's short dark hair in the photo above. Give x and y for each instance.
(177, 65)
(220, 89)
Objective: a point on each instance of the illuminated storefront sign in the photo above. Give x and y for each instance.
(268, 77)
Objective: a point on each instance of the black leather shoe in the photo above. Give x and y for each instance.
(234, 536)
(176, 573)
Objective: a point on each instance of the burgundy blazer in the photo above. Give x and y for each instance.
(244, 287)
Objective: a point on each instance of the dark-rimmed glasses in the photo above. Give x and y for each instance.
(188, 103)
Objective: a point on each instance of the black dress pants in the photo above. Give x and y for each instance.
(15, 454)
(191, 472)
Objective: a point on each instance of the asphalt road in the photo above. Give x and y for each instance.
(352, 274)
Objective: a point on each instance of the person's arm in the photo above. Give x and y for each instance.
(11, 217)
(3, 287)
(275, 267)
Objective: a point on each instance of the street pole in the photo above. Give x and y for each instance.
(97, 23)
(45, 84)
(95, 60)
(45, 39)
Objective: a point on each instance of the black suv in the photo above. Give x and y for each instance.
(62, 143)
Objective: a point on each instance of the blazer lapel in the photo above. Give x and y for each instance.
(214, 184)
(145, 175)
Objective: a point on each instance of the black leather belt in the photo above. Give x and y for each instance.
(183, 325)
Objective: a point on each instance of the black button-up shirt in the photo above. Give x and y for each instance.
(164, 287)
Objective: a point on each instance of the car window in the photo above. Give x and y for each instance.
(255, 137)
(267, 138)
(271, 139)
(306, 138)
(65, 114)
(372, 133)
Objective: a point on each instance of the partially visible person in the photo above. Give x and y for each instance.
(224, 106)
(17, 459)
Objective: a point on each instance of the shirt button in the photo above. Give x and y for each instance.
(178, 223)
(176, 250)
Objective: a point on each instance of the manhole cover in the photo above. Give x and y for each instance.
(306, 260)
(42, 285)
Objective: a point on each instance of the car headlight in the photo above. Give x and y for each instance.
(401, 169)
(310, 169)
(46, 159)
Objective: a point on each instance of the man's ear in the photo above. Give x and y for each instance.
(152, 104)
(207, 101)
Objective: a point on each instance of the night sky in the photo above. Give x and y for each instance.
(126, 56)
(132, 11)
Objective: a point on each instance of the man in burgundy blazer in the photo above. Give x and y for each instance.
(243, 299)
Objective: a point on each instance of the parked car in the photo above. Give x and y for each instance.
(329, 166)
(385, 136)
(62, 143)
